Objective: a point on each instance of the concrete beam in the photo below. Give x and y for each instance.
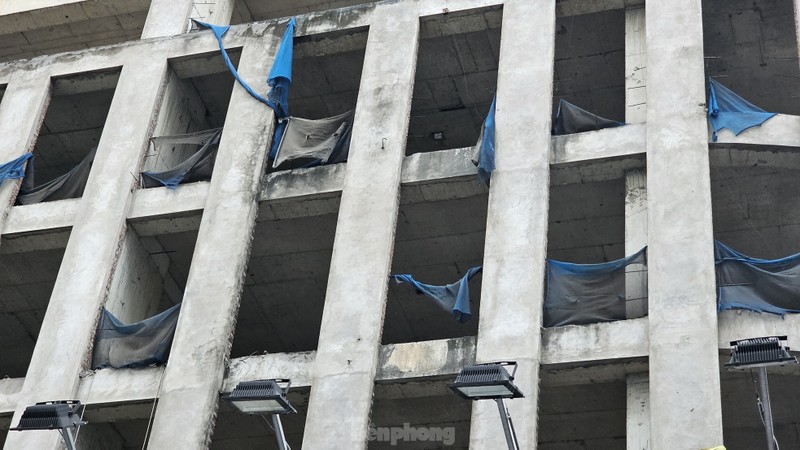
(735, 325)
(628, 140)
(347, 356)
(156, 202)
(600, 341)
(42, 216)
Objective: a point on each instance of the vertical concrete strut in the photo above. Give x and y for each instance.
(21, 114)
(194, 373)
(685, 404)
(352, 321)
(65, 339)
(516, 233)
(635, 65)
(167, 18)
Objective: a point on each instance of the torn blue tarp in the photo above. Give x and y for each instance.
(760, 285)
(453, 298)
(197, 167)
(578, 294)
(726, 109)
(280, 76)
(15, 168)
(572, 119)
(136, 345)
(483, 157)
(219, 32)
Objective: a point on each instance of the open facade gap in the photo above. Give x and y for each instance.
(117, 426)
(29, 265)
(750, 46)
(590, 63)
(286, 278)
(419, 415)
(440, 236)
(456, 79)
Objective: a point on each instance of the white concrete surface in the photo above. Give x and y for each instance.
(516, 233)
(347, 356)
(685, 406)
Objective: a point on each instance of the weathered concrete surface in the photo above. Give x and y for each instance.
(120, 385)
(614, 142)
(684, 371)
(167, 18)
(10, 389)
(90, 257)
(154, 202)
(600, 341)
(21, 115)
(637, 431)
(635, 240)
(516, 234)
(635, 65)
(194, 374)
(347, 356)
(42, 216)
(218, 12)
(735, 325)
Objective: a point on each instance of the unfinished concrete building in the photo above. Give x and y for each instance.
(284, 273)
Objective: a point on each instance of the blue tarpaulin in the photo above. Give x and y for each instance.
(15, 168)
(453, 298)
(572, 119)
(136, 345)
(726, 109)
(197, 167)
(760, 285)
(484, 156)
(578, 294)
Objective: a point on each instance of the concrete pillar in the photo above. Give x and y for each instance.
(65, 340)
(685, 407)
(194, 373)
(635, 239)
(167, 18)
(21, 114)
(218, 12)
(352, 321)
(635, 65)
(516, 233)
(637, 427)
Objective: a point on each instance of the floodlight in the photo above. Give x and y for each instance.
(491, 381)
(263, 397)
(59, 415)
(760, 353)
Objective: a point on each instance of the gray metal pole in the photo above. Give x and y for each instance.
(766, 407)
(281, 438)
(66, 433)
(508, 426)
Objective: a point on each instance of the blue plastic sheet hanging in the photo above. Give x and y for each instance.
(753, 284)
(453, 298)
(726, 109)
(485, 156)
(14, 169)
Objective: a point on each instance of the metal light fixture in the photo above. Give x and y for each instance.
(760, 353)
(59, 415)
(491, 381)
(263, 397)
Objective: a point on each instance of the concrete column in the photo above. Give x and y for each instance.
(65, 340)
(194, 373)
(516, 232)
(167, 18)
(135, 291)
(637, 427)
(352, 321)
(218, 12)
(685, 407)
(21, 114)
(635, 65)
(635, 239)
